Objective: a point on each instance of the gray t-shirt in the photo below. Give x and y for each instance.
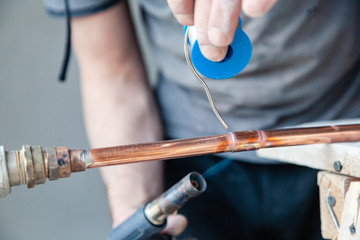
(305, 66)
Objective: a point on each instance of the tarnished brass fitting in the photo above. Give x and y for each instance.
(173, 199)
(31, 166)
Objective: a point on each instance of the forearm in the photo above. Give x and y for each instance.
(118, 105)
(111, 123)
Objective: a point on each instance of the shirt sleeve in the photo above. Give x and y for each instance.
(77, 7)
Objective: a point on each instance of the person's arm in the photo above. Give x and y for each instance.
(119, 107)
(117, 103)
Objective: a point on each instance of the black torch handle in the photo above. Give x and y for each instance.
(136, 227)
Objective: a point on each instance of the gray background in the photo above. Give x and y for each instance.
(36, 109)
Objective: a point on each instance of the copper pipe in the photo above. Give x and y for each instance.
(231, 142)
(31, 165)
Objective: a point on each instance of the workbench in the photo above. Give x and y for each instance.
(338, 180)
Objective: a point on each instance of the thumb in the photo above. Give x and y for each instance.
(176, 224)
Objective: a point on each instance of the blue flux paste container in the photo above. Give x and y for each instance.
(236, 59)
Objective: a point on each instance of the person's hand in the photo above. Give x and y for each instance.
(175, 225)
(120, 181)
(216, 20)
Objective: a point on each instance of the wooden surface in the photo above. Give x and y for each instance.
(351, 214)
(344, 185)
(319, 156)
(338, 186)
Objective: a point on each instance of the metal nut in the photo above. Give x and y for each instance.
(63, 161)
(29, 166)
(52, 163)
(39, 167)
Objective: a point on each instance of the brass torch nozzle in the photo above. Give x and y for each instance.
(173, 199)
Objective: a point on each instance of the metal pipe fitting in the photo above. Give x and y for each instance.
(31, 165)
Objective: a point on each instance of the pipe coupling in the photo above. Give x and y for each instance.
(31, 166)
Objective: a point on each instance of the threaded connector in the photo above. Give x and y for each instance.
(31, 165)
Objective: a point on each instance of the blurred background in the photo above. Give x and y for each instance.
(37, 109)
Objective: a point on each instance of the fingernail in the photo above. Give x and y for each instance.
(215, 54)
(257, 8)
(255, 14)
(185, 19)
(217, 37)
